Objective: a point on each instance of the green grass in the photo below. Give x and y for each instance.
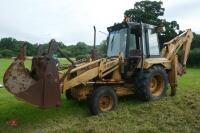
(170, 114)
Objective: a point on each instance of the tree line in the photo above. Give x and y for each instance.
(9, 47)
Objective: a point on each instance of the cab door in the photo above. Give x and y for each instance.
(134, 53)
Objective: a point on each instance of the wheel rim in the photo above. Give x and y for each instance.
(105, 103)
(156, 85)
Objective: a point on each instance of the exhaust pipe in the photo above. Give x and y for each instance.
(94, 53)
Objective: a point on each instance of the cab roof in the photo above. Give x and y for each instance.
(118, 26)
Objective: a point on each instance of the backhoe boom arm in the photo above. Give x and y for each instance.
(170, 51)
(172, 47)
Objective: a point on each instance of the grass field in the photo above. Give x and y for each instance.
(169, 115)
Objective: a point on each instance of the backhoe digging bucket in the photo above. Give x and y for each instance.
(40, 86)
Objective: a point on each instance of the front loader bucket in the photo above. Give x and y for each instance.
(40, 86)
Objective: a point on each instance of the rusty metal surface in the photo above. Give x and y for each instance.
(17, 78)
(45, 92)
(40, 86)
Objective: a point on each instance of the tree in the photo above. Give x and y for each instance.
(31, 49)
(196, 41)
(149, 12)
(81, 48)
(6, 53)
(102, 49)
(8, 43)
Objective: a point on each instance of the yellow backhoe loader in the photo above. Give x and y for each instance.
(134, 65)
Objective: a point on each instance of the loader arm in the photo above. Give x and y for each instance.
(170, 51)
(88, 71)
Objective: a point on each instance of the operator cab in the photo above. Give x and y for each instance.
(135, 41)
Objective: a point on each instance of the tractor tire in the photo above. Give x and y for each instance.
(102, 99)
(68, 95)
(151, 84)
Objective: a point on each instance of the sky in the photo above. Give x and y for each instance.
(71, 21)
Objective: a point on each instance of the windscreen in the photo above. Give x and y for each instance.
(117, 42)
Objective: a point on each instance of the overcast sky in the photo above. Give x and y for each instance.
(71, 21)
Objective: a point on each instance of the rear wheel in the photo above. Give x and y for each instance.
(102, 99)
(152, 83)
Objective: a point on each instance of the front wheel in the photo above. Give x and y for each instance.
(152, 83)
(102, 99)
